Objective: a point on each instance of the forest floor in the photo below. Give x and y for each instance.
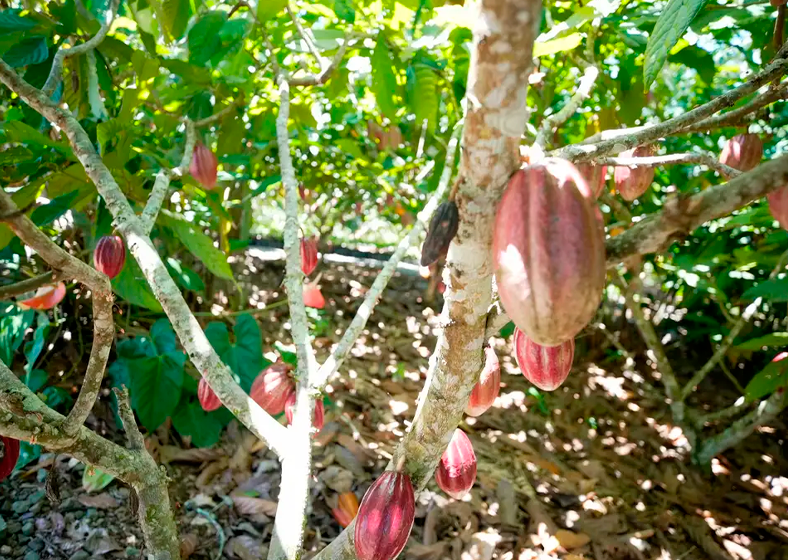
(592, 471)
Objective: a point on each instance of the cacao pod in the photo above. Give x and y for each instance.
(109, 256)
(308, 255)
(778, 206)
(46, 297)
(347, 508)
(317, 419)
(544, 366)
(203, 166)
(208, 399)
(632, 182)
(456, 471)
(777, 3)
(742, 152)
(443, 228)
(313, 297)
(10, 450)
(385, 517)
(273, 387)
(549, 251)
(486, 389)
(595, 176)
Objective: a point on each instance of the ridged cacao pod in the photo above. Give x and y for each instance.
(443, 228)
(46, 297)
(632, 182)
(486, 389)
(742, 152)
(595, 176)
(778, 206)
(313, 297)
(385, 517)
(208, 399)
(549, 251)
(547, 367)
(308, 255)
(203, 166)
(456, 471)
(109, 256)
(10, 456)
(317, 419)
(273, 387)
(347, 508)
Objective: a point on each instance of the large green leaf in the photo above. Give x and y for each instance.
(774, 290)
(560, 44)
(267, 9)
(673, 22)
(132, 286)
(774, 339)
(423, 94)
(11, 21)
(244, 356)
(14, 321)
(199, 244)
(203, 427)
(204, 37)
(45, 215)
(28, 52)
(344, 10)
(34, 347)
(176, 14)
(185, 277)
(384, 81)
(769, 379)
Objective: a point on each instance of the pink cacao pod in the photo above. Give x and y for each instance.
(109, 256)
(456, 471)
(632, 182)
(544, 366)
(385, 517)
(595, 176)
(203, 166)
(208, 399)
(549, 251)
(486, 389)
(742, 152)
(308, 255)
(273, 387)
(317, 419)
(46, 297)
(10, 450)
(778, 206)
(313, 297)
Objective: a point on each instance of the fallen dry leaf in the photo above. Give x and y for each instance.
(252, 506)
(189, 543)
(570, 539)
(100, 501)
(171, 454)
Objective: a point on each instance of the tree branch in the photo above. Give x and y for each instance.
(310, 45)
(31, 284)
(556, 120)
(735, 117)
(325, 73)
(702, 158)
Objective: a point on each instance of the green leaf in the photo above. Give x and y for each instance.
(45, 215)
(384, 81)
(423, 94)
(199, 244)
(774, 290)
(673, 22)
(773, 339)
(11, 21)
(203, 427)
(176, 14)
(34, 347)
(36, 380)
(769, 379)
(344, 10)
(204, 37)
(28, 52)
(560, 44)
(132, 286)
(156, 387)
(268, 9)
(697, 59)
(187, 278)
(14, 321)
(245, 356)
(17, 131)
(94, 479)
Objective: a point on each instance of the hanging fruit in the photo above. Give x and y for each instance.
(632, 182)
(204, 166)
(443, 228)
(10, 455)
(109, 256)
(742, 152)
(308, 255)
(486, 389)
(547, 367)
(208, 399)
(385, 517)
(313, 297)
(273, 387)
(778, 206)
(46, 297)
(456, 470)
(595, 176)
(317, 418)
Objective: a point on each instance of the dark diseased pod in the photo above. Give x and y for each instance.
(317, 418)
(9, 455)
(456, 470)
(208, 399)
(549, 252)
(273, 387)
(385, 517)
(547, 367)
(204, 166)
(486, 389)
(109, 256)
(443, 228)
(632, 182)
(742, 152)
(778, 206)
(308, 255)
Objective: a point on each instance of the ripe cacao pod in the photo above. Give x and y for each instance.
(9, 457)
(742, 152)
(595, 176)
(632, 182)
(486, 389)
(456, 471)
(443, 228)
(544, 366)
(778, 3)
(778, 206)
(109, 256)
(385, 517)
(273, 387)
(203, 166)
(308, 255)
(46, 297)
(317, 419)
(313, 297)
(208, 399)
(347, 508)
(549, 251)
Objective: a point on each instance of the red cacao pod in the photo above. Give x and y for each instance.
(308, 255)
(778, 3)
(742, 152)
(632, 182)
(208, 399)
(443, 228)
(313, 297)
(385, 517)
(203, 166)
(46, 297)
(109, 256)
(273, 387)
(486, 389)
(549, 251)
(778, 206)
(595, 176)
(10, 456)
(544, 366)
(317, 419)
(347, 508)
(456, 471)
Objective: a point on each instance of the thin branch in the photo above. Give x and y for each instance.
(310, 45)
(135, 439)
(736, 117)
(554, 121)
(334, 362)
(31, 284)
(702, 158)
(325, 74)
(217, 116)
(496, 320)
